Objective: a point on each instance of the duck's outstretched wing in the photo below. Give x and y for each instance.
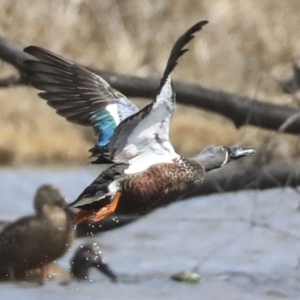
(143, 138)
(77, 94)
(126, 135)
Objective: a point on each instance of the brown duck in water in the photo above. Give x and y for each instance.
(33, 241)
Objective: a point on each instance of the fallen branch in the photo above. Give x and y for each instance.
(276, 175)
(241, 110)
(112, 222)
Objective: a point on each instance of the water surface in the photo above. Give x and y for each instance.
(244, 245)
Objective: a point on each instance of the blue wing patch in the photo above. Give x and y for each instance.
(105, 125)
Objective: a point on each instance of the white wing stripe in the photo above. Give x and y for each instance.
(113, 110)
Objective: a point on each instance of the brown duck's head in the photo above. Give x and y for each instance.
(215, 157)
(89, 256)
(48, 195)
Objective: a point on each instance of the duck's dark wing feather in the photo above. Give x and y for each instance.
(77, 94)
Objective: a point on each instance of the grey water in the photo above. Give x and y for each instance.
(244, 245)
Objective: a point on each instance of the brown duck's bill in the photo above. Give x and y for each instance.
(93, 216)
(238, 152)
(105, 269)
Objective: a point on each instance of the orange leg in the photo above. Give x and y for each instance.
(106, 210)
(100, 214)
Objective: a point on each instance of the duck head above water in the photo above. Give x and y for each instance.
(89, 256)
(48, 195)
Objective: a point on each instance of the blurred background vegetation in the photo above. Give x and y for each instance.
(247, 48)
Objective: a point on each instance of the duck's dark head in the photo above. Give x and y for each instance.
(89, 256)
(48, 195)
(215, 157)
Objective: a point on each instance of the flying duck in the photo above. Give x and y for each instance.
(147, 171)
(114, 191)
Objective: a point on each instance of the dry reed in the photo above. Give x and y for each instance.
(245, 49)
